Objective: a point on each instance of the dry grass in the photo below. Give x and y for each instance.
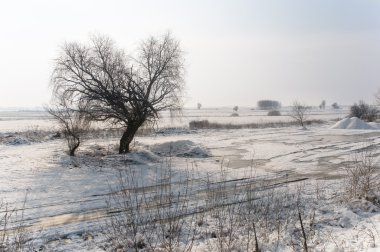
(205, 124)
(362, 175)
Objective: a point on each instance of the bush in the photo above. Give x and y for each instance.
(234, 114)
(144, 220)
(268, 104)
(364, 111)
(335, 105)
(362, 174)
(274, 113)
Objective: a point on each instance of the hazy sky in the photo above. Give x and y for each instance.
(237, 52)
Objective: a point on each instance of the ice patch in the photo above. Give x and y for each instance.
(353, 123)
(180, 148)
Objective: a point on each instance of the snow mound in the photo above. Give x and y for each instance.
(374, 125)
(352, 123)
(180, 148)
(142, 157)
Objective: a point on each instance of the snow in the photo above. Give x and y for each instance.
(180, 148)
(342, 124)
(374, 125)
(354, 123)
(66, 204)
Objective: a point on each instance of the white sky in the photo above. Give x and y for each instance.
(237, 52)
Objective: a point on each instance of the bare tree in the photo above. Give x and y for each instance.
(72, 122)
(124, 90)
(299, 113)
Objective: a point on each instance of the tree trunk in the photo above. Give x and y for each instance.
(127, 137)
(72, 151)
(73, 144)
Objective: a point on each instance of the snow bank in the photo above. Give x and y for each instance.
(180, 148)
(354, 123)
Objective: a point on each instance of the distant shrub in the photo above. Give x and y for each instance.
(236, 108)
(274, 113)
(335, 105)
(234, 114)
(364, 111)
(268, 104)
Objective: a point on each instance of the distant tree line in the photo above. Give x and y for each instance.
(268, 104)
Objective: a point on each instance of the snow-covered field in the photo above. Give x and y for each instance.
(26, 120)
(69, 203)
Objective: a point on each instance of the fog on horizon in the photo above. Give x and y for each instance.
(237, 52)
